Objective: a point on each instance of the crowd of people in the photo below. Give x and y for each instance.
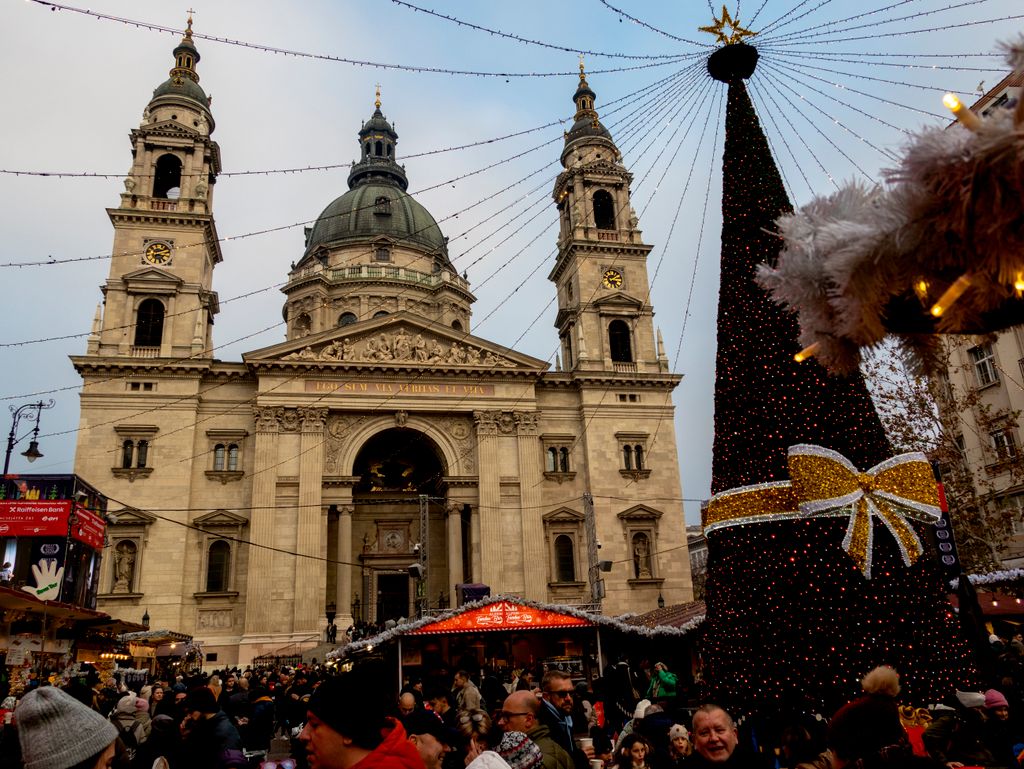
(320, 718)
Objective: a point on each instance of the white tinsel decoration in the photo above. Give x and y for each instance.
(614, 623)
(1003, 576)
(953, 206)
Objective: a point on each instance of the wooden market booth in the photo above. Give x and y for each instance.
(504, 635)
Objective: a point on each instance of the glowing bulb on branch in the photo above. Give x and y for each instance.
(1018, 284)
(963, 114)
(921, 289)
(807, 352)
(951, 294)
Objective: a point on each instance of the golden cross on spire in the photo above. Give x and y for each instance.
(377, 103)
(582, 73)
(189, 30)
(736, 32)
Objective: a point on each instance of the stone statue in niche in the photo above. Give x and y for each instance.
(124, 567)
(641, 557)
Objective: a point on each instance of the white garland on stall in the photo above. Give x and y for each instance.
(1003, 576)
(615, 623)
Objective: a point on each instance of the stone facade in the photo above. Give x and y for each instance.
(382, 432)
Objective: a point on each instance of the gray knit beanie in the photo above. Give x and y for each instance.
(57, 731)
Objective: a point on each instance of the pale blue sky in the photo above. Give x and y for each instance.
(77, 85)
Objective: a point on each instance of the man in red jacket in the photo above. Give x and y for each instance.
(347, 725)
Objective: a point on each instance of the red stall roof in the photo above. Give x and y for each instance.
(502, 615)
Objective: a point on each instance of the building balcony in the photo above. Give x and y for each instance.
(624, 368)
(145, 352)
(611, 235)
(372, 272)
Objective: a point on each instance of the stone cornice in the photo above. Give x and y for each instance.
(583, 379)
(145, 216)
(595, 248)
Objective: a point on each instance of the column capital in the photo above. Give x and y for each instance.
(528, 422)
(313, 419)
(486, 422)
(268, 418)
(345, 509)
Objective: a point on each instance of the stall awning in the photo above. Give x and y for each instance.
(12, 599)
(502, 615)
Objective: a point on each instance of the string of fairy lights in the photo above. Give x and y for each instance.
(778, 108)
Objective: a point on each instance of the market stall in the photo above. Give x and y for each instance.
(504, 635)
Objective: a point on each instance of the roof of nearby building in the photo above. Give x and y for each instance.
(1013, 80)
(681, 616)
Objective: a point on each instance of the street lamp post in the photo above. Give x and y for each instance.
(32, 453)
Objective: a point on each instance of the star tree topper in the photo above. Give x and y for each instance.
(736, 32)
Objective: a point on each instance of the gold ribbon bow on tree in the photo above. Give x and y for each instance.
(827, 483)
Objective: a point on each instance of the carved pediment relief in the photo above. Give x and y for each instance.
(401, 347)
(398, 339)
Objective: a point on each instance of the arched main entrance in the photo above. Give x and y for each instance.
(399, 475)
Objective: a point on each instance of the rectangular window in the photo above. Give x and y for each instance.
(1005, 444)
(984, 361)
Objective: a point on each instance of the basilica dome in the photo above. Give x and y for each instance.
(374, 208)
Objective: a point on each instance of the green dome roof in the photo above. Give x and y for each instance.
(183, 86)
(356, 216)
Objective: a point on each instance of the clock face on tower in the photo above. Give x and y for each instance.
(611, 279)
(158, 253)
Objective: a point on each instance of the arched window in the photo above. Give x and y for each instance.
(367, 148)
(127, 453)
(303, 324)
(232, 458)
(167, 179)
(563, 459)
(378, 149)
(217, 562)
(457, 325)
(604, 210)
(141, 453)
(382, 205)
(627, 457)
(218, 457)
(551, 460)
(346, 318)
(149, 323)
(565, 563)
(619, 342)
(638, 455)
(380, 313)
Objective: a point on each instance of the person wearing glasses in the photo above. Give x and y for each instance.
(519, 713)
(556, 713)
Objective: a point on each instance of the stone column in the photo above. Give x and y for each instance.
(487, 535)
(531, 464)
(475, 558)
(311, 525)
(260, 579)
(344, 557)
(454, 548)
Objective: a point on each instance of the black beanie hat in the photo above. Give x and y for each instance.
(354, 704)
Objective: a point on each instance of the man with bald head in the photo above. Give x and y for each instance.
(406, 704)
(519, 714)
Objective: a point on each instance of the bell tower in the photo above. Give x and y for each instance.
(605, 319)
(158, 298)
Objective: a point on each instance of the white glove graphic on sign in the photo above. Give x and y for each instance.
(48, 578)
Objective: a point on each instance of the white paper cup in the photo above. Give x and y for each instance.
(584, 743)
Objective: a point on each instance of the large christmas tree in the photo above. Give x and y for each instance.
(793, 621)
